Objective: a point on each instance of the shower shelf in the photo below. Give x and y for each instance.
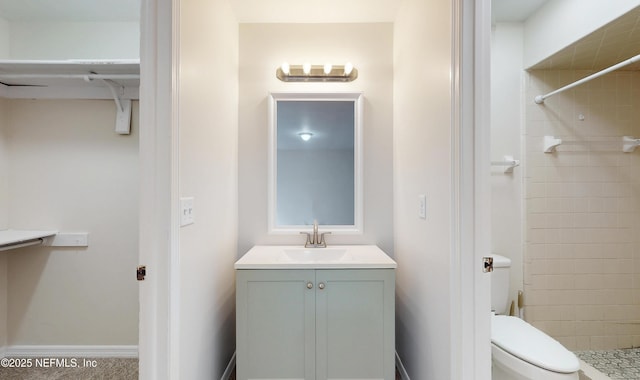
(74, 79)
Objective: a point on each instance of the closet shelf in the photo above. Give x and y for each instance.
(74, 79)
(10, 239)
(68, 79)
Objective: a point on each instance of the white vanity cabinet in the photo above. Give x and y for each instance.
(315, 324)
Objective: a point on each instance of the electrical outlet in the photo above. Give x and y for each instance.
(187, 213)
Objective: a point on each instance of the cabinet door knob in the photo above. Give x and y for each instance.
(321, 285)
(309, 285)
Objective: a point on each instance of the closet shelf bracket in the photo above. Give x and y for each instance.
(629, 144)
(123, 106)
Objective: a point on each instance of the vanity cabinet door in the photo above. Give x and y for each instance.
(275, 316)
(355, 324)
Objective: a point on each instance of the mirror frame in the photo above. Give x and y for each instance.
(357, 99)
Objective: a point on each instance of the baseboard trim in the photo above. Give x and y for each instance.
(401, 370)
(3, 352)
(72, 351)
(230, 367)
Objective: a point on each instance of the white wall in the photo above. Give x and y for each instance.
(422, 165)
(4, 224)
(3, 304)
(71, 172)
(4, 38)
(74, 40)
(263, 48)
(208, 130)
(559, 23)
(506, 139)
(4, 168)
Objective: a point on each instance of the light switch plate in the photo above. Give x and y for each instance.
(187, 214)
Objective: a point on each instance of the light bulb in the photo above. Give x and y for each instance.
(305, 136)
(348, 68)
(327, 68)
(285, 68)
(306, 68)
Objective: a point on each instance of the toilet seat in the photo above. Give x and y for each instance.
(526, 342)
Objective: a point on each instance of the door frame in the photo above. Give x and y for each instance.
(159, 232)
(159, 308)
(471, 213)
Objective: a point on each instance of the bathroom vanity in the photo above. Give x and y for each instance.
(317, 313)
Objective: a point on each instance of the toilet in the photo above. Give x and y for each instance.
(520, 351)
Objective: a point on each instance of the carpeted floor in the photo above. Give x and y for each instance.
(69, 369)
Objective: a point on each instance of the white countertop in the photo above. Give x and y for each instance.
(298, 257)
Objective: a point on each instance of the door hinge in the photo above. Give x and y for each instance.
(487, 263)
(141, 272)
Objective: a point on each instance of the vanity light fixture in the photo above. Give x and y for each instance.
(305, 136)
(285, 68)
(316, 73)
(348, 68)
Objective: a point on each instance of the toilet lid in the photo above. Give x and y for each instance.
(526, 342)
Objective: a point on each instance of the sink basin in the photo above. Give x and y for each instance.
(315, 255)
(297, 257)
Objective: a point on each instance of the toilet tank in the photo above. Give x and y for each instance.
(500, 284)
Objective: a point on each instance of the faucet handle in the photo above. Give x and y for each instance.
(322, 242)
(308, 242)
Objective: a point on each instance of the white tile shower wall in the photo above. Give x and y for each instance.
(582, 210)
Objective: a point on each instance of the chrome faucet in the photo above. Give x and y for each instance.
(313, 241)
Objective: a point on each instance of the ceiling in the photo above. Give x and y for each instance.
(294, 11)
(605, 47)
(307, 11)
(514, 10)
(297, 11)
(70, 10)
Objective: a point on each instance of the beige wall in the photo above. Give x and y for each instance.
(582, 211)
(3, 304)
(71, 172)
(208, 130)
(4, 38)
(422, 165)
(263, 48)
(4, 168)
(4, 220)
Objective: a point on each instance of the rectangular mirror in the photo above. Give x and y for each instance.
(315, 163)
